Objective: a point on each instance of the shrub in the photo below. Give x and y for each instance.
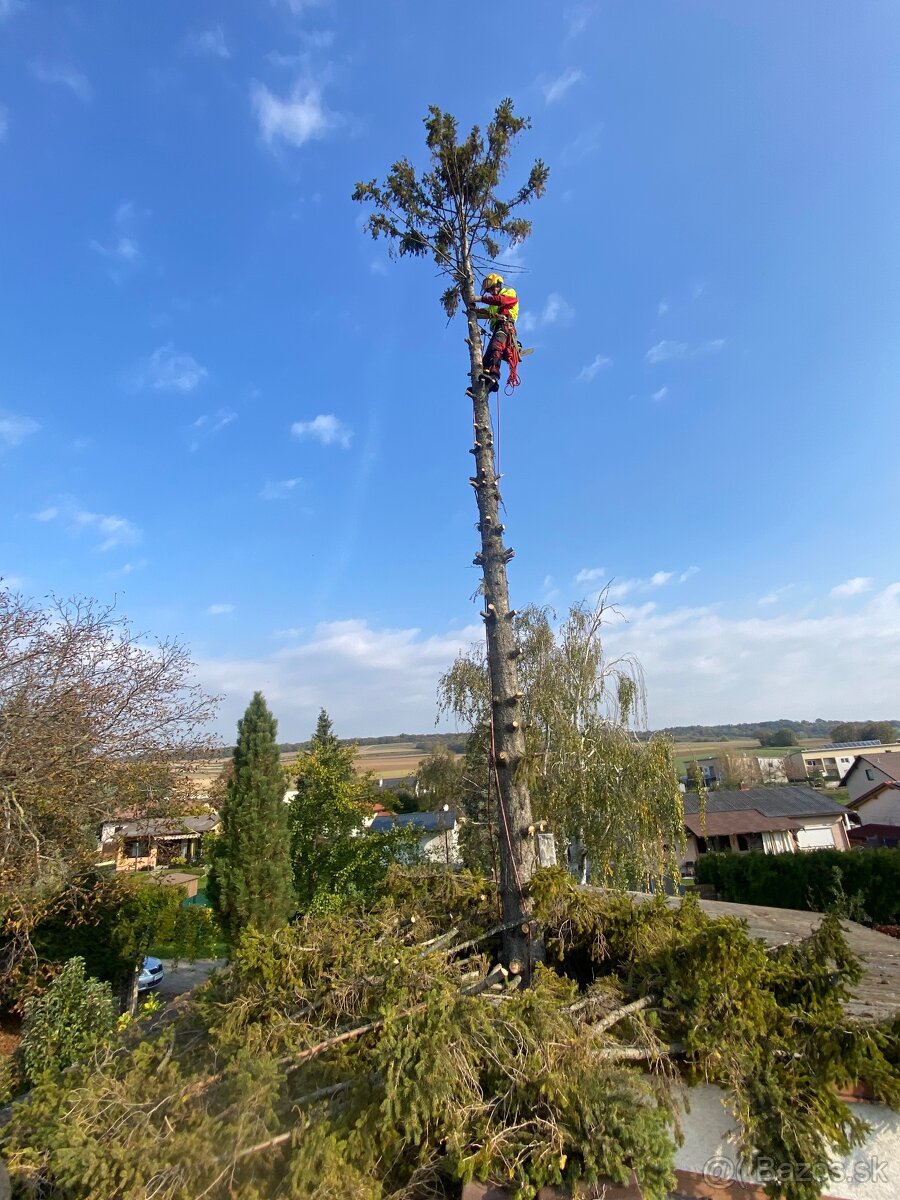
(864, 883)
(66, 1023)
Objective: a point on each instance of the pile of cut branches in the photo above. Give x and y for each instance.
(384, 1054)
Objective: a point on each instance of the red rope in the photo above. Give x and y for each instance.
(512, 358)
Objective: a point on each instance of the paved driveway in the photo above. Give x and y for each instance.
(186, 975)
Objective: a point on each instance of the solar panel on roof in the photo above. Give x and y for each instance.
(848, 746)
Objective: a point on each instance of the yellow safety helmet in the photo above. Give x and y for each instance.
(491, 281)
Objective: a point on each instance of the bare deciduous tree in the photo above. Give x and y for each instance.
(94, 718)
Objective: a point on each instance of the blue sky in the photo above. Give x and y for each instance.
(222, 405)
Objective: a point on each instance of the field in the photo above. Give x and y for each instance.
(397, 760)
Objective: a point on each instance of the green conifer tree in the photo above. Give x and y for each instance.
(250, 880)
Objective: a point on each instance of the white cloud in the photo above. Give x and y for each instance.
(852, 587)
(702, 666)
(209, 42)
(774, 596)
(11, 583)
(9, 8)
(64, 76)
(586, 374)
(590, 574)
(582, 146)
(576, 18)
(666, 350)
(630, 587)
(219, 610)
(299, 6)
(326, 428)
(370, 680)
(688, 574)
(296, 120)
(662, 308)
(122, 246)
(660, 394)
(166, 370)
(556, 311)
(557, 88)
(279, 489)
(127, 569)
(14, 429)
(4, 122)
(214, 421)
(113, 531)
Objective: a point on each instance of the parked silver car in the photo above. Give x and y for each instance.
(151, 973)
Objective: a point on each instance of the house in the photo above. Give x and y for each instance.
(880, 805)
(157, 841)
(831, 762)
(438, 833)
(750, 768)
(870, 769)
(875, 837)
(775, 820)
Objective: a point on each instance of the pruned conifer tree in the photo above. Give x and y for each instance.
(454, 213)
(250, 880)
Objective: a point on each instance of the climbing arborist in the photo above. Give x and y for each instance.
(502, 311)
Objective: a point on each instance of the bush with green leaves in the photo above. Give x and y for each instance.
(816, 880)
(73, 1018)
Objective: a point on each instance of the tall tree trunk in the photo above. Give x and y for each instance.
(518, 847)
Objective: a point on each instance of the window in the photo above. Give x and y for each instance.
(815, 837)
(137, 848)
(870, 774)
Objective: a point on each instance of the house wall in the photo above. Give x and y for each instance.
(871, 1172)
(860, 782)
(883, 809)
(817, 828)
(437, 850)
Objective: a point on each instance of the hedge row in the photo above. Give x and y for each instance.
(865, 883)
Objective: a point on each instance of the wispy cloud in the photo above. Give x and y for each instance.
(555, 89)
(590, 574)
(167, 370)
(586, 374)
(775, 595)
(4, 122)
(662, 308)
(209, 424)
(279, 489)
(11, 583)
(582, 146)
(326, 428)
(9, 8)
(666, 351)
(121, 248)
(209, 42)
(852, 587)
(15, 429)
(297, 7)
(660, 394)
(219, 610)
(298, 118)
(127, 569)
(688, 574)
(556, 311)
(63, 76)
(112, 530)
(576, 18)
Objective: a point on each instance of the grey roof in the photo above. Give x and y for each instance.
(886, 760)
(846, 745)
(169, 826)
(800, 801)
(425, 822)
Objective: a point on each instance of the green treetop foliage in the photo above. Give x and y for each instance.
(348, 1057)
(864, 731)
(439, 776)
(452, 211)
(777, 737)
(68, 1022)
(250, 876)
(335, 859)
(591, 776)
